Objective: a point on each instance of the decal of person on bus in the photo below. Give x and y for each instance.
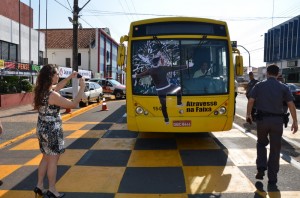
(164, 78)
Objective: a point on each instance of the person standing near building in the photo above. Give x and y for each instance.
(48, 101)
(250, 86)
(269, 96)
(236, 86)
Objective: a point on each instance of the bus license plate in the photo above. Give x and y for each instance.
(182, 123)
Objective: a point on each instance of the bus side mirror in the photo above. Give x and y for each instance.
(239, 66)
(121, 55)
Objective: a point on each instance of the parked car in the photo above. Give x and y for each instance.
(295, 89)
(92, 92)
(111, 86)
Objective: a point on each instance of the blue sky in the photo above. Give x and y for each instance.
(247, 20)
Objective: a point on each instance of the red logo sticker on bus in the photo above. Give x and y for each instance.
(182, 123)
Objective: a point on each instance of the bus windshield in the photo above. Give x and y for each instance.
(196, 67)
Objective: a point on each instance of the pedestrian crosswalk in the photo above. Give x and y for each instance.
(105, 160)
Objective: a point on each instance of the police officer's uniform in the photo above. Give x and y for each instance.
(269, 96)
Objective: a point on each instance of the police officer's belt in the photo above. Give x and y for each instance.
(267, 114)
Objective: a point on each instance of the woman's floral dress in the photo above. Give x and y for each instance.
(49, 128)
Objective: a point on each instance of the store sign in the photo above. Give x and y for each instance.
(1, 64)
(64, 72)
(35, 68)
(23, 67)
(292, 63)
(10, 65)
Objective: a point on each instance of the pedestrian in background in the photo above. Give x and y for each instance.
(48, 102)
(236, 87)
(269, 96)
(250, 86)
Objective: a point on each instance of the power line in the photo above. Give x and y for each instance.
(63, 5)
(86, 22)
(261, 48)
(69, 4)
(104, 22)
(115, 13)
(129, 9)
(124, 10)
(133, 6)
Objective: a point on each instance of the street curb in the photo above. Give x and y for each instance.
(67, 116)
(63, 117)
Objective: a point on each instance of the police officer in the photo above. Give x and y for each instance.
(269, 96)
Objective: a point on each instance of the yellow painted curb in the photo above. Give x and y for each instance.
(64, 118)
(79, 111)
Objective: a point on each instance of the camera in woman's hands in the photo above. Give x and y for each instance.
(79, 76)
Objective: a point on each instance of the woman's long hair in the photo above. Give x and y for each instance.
(43, 84)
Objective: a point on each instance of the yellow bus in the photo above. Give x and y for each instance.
(179, 75)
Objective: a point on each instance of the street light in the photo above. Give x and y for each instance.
(249, 56)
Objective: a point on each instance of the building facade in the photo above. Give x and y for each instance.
(282, 47)
(97, 51)
(21, 47)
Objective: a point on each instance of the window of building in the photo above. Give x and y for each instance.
(41, 60)
(68, 62)
(13, 55)
(4, 51)
(8, 51)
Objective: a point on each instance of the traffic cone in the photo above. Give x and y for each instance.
(68, 110)
(104, 107)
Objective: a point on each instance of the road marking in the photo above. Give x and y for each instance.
(283, 156)
(285, 138)
(244, 131)
(240, 116)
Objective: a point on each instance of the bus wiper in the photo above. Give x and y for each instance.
(202, 41)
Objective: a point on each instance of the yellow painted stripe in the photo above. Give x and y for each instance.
(16, 193)
(30, 144)
(7, 170)
(91, 179)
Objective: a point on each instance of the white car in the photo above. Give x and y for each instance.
(92, 92)
(111, 86)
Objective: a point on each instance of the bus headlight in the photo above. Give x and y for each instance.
(146, 112)
(222, 110)
(139, 110)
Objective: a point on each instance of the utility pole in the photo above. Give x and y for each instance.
(75, 35)
(75, 47)
(75, 23)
